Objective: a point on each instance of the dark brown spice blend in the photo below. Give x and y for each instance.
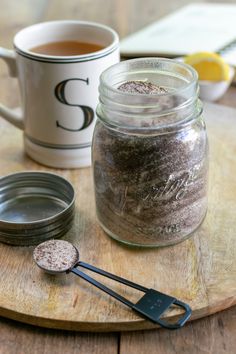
(150, 189)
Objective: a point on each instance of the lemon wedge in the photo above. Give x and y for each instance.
(210, 66)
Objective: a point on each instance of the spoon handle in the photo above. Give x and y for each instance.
(152, 305)
(113, 276)
(101, 286)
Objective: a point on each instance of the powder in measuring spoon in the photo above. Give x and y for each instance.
(55, 255)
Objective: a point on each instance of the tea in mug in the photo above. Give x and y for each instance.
(66, 48)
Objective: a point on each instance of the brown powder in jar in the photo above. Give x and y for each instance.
(55, 255)
(150, 189)
(143, 87)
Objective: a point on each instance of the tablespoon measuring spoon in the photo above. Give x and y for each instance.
(58, 256)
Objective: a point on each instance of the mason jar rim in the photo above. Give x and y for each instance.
(104, 78)
(177, 106)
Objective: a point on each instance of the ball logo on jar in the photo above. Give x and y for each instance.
(176, 186)
(125, 196)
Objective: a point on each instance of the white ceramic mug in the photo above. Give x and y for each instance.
(59, 93)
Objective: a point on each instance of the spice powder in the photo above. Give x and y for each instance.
(55, 255)
(151, 189)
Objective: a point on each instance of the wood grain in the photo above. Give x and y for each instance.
(211, 335)
(200, 271)
(214, 334)
(25, 339)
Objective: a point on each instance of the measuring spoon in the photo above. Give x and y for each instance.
(58, 256)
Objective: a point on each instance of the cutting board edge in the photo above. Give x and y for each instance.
(134, 325)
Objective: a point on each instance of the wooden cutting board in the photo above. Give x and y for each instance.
(200, 271)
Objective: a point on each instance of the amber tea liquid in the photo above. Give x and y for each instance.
(66, 48)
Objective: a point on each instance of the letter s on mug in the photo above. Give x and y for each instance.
(60, 93)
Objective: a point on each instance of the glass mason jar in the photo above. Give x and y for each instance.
(150, 154)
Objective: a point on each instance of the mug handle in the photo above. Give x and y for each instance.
(13, 117)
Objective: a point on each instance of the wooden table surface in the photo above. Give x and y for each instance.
(214, 334)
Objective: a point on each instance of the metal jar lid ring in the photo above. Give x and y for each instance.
(34, 207)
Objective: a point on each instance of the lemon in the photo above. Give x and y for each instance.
(210, 66)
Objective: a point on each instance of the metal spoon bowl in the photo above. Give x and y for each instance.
(56, 256)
